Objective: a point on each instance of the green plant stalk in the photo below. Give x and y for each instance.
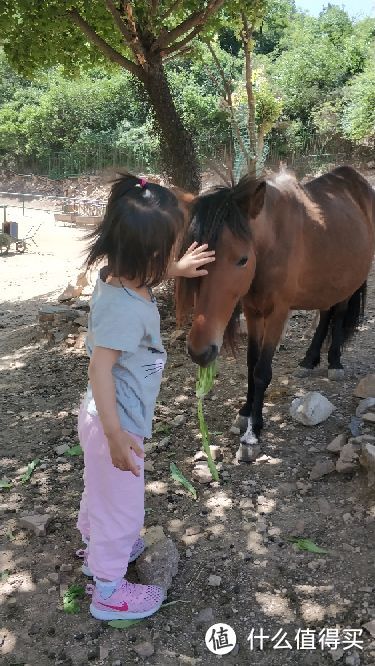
(206, 441)
(205, 380)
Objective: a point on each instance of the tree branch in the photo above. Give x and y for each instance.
(137, 45)
(246, 41)
(118, 20)
(178, 46)
(104, 47)
(195, 19)
(229, 103)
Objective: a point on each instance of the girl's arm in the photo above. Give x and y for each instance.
(190, 264)
(120, 442)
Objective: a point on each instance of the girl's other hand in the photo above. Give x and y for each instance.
(121, 447)
(190, 264)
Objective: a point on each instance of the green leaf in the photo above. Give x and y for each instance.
(205, 380)
(5, 483)
(30, 469)
(70, 598)
(4, 575)
(123, 624)
(178, 476)
(10, 535)
(307, 544)
(74, 451)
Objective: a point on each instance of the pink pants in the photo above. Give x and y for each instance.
(111, 513)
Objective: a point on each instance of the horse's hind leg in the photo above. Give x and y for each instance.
(335, 368)
(312, 356)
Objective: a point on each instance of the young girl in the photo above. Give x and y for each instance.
(137, 237)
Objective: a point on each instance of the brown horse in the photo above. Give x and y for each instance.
(280, 246)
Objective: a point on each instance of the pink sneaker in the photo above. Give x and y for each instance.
(136, 551)
(130, 601)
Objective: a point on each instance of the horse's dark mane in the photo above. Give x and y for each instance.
(218, 208)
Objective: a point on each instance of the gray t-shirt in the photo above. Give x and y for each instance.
(121, 319)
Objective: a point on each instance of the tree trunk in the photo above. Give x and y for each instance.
(176, 145)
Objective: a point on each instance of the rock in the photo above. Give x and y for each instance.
(311, 409)
(322, 469)
(366, 387)
(158, 564)
(345, 467)
(36, 522)
(235, 430)
(148, 466)
(179, 420)
(66, 567)
(337, 444)
(353, 659)
(194, 529)
(178, 334)
(118, 662)
(324, 506)
(103, 652)
(370, 627)
(369, 417)
(214, 581)
(368, 456)
(70, 292)
(153, 535)
(201, 472)
(355, 426)
(205, 616)
(163, 442)
(93, 653)
(61, 449)
(336, 655)
(82, 280)
(144, 649)
(216, 452)
(364, 406)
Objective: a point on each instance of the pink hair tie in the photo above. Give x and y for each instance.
(143, 182)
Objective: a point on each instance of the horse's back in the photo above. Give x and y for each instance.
(343, 185)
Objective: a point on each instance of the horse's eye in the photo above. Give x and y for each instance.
(242, 261)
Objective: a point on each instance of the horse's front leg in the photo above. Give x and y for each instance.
(255, 330)
(262, 375)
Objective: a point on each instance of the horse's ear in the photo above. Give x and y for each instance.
(257, 198)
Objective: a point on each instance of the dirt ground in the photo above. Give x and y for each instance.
(239, 530)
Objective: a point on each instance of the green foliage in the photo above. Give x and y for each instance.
(358, 119)
(178, 476)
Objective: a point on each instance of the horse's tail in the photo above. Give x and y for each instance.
(354, 313)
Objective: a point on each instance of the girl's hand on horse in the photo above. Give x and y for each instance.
(121, 447)
(190, 264)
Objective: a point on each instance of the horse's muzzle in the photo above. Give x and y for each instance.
(205, 357)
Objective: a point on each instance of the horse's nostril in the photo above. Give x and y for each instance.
(206, 357)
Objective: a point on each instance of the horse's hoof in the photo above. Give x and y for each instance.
(336, 374)
(247, 453)
(241, 422)
(303, 372)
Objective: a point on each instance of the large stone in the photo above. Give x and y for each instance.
(337, 444)
(366, 387)
(158, 564)
(36, 522)
(370, 627)
(311, 409)
(348, 460)
(367, 458)
(322, 469)
(364, 406)
(153, 534)
(369, 417)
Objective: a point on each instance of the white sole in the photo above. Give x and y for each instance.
(120, 615)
